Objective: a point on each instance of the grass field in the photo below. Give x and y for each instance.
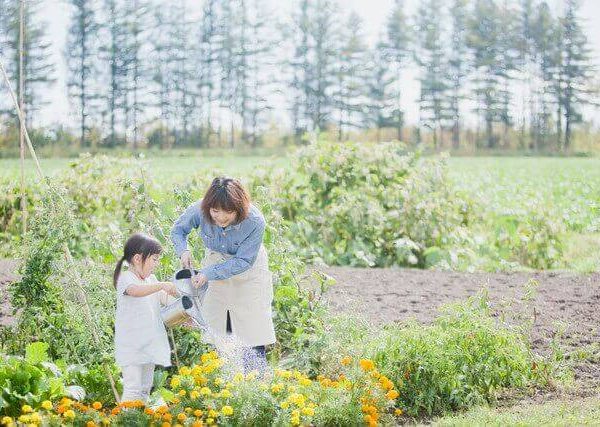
(174, 168)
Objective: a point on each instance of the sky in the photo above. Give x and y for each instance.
(56, 13)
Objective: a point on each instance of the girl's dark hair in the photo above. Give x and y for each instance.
(138, 243)
(227, 194)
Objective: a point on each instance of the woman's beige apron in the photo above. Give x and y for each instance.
(247, 297)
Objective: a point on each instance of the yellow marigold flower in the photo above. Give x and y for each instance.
(308, 411)
(295, 421)
(367, 365)
(213, 414)
(276, 388)
(182, 393)
(105, 421)
(375, 374)
(210, 421)
(175, 382)
(205, 391)
(346, 361)
(24, 418)
(398, 412)
(284, 404)
(26, 409)
(368, 419)
(194, 394)
(97, 406)
(69, 414)
(35, 417)
(227, 410)
(47, 405)
(198, 413)
(66, 401)
(239, 377)
(218, 381)
(167, 417)
(225, 394)
(392, 394)
(7, 420)
(305, 382)
(181, 417)
(175, 400)
(90, 424)
(185, 370)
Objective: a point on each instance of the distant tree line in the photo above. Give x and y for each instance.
(147, 72)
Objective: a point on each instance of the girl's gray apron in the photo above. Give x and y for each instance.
(247, 297)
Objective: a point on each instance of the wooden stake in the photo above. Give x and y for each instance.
(22, 122)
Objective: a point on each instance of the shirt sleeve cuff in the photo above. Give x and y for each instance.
(179, 251)
(209, 273)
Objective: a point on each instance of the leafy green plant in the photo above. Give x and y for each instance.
(28, 380)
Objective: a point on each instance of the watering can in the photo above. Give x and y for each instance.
(186, 307)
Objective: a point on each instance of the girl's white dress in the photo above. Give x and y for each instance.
(140, 334)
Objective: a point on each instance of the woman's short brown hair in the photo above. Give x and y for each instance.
(227, 194)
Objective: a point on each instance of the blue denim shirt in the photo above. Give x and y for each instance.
(242, 240)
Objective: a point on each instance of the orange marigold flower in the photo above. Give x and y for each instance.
(392, 394)
(346, 360)
(97, 406)
(398, 412)
(181, 417)
(116, 411)
(367, 365)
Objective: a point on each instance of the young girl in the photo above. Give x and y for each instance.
(140, 337)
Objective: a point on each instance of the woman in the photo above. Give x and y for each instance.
(240, 289)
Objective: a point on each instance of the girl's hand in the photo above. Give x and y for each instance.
(199, 280)
(169, 288)
(186, 259)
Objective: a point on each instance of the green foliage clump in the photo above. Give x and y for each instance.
(28, 380)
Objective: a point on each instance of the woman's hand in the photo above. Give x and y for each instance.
(169, 288)
(186, 259)
(199, 280)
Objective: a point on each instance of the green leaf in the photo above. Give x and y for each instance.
(36, 352)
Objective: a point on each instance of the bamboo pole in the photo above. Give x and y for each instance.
(91, 323)
(21, 122)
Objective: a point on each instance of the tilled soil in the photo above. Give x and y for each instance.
(564, 306)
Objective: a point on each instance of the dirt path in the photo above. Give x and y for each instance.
(562, 300)
(7, 275)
